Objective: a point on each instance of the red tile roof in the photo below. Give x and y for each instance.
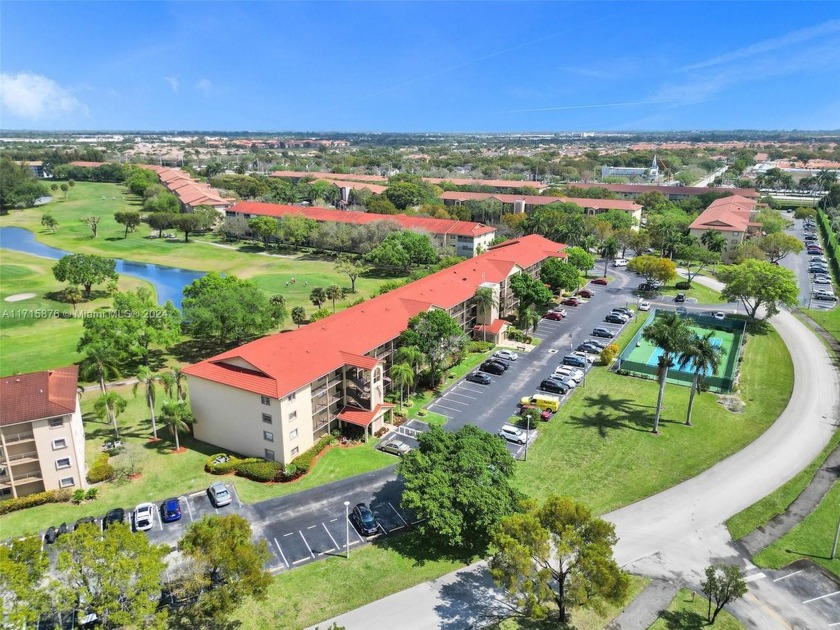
(38, 395)
(728, 214)
(361, 417)
(425, 224)
(374, 188)
(539, 200)
(285, 362)
(87, 164)
(494, 328)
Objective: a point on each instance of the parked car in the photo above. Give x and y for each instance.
(820, 259)
(823, 269)
(395, 447)
(621, 310)
(502, 362)
(679, 297)
(82, 521)
(619, 262)
(822, 280)
(719, 315)
(545, 414)
(561, 310)
(170, 510)
(600, 331)
(816, 250)
(50, 536)
(563, 380)
(601, 281)
(492, 367)
(513, 434)
(585, 293)
(646, 287)
(554, 315)
(555, 387)
(506, 355)
(582, 355)
(571, 301)
(219, 494)
(822, 294)
(364, 520)
(597, 342)
(144, 517)
(644, 305)
(615, 318)
(589, 348)
(117, 515)
(479, 377)
(567, 371)
(573, 359)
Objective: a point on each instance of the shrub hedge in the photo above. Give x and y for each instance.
(31, 500)
(479, 346)
(683, 285)
(303, 461)
(259, 470)
(100, 473)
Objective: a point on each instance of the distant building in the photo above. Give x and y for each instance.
(672, 193)
(41, 433)
(37, 168)
(650, 173)
(731, 217)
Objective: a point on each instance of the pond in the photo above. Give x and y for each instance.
(168, 282)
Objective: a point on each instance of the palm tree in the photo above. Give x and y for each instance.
(167, 379)
(176, 415)
(180, 380)
(713, 240)
(99, 364)
(146, 378)
(527, 319)
(110, 405)
(671, 333)
(705, 357)
(609, 250)
(413, 357)
(484, 303)
(334, 293)
(403, 376)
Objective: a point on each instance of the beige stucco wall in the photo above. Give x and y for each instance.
(72, 431)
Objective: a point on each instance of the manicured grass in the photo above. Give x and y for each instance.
(689, 611)
(582, 619)
(812, 538)
(830, 320)
(599, 449)
(324, 589)
(703, 294)
(165, 474)
(760, 512)
(35, 333)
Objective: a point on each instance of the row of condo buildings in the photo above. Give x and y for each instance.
(730, 216)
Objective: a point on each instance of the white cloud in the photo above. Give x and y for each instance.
(173, 83)
(204, 85)
(36, 97)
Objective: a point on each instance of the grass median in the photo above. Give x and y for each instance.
(688, 611)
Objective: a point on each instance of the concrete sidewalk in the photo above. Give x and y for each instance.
(645, 609)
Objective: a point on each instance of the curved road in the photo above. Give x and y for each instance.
(675, 534)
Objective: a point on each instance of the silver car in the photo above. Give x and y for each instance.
(395, 447)
(219, 494)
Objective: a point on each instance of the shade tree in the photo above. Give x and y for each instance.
(86, 270)
(757, 284)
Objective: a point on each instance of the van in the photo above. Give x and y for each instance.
(619, 262)
(543, 401)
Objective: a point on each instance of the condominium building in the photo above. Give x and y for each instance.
(731, 217)
(276, 396)
(42, 440)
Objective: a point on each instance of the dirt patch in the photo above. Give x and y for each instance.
(732, 403)
(19, 297)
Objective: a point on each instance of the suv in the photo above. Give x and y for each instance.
(555, 387)
(569, 372)
(600, 331)
(492, 367)
(512, 434)
(364, 520)
(589, 348)
(615, 318)
(575, 360)
(117, 515)
(822, 294)
(506, 355)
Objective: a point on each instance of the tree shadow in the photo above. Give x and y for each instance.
(807, 555)
(381, 273)
(609, 412)
(758, 327)
(194, 350)
(682, 620)
(473, 600)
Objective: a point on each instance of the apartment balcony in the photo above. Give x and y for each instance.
(29, 477)
(19, 438)
(362, 399)
(20, 458)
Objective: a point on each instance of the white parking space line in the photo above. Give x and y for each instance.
(398, 514)
(307, 544)
(330, 535)
(444, 406)
(463, 395)
(189, 509)
(813, 599)
(784, 577)
(456, 402)
(282, 555)
(474, 391)
(754, 577)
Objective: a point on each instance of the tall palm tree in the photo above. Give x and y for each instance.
(99, 364)
(180, 380)
(527, 319)
(609, 250)
(334, 293)
(705, 357)
(403, 377)
(413, 357)
(484, 303)
(713, 240)
(146, 378)
(177, 416)
(671, 333)
(110, 405)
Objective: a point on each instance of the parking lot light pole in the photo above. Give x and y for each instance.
(527, 432)
(347, 525)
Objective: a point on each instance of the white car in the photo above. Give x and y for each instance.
(507, 355)
(570, 373)
(619, 262)
(583, 355)
(644, 305)
(719, 315)
(144, 517)
(559, 310)
(822, 280)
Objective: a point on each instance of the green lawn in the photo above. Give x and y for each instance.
(812, 538)
(598, 448)
(688, 611)
(830, 320)
(778, 501)
(703, 294)
(33, 337)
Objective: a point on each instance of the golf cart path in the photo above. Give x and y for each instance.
(675, 534)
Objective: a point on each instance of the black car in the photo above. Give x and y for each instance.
(479, 377)
(555, 387)
(595, 342)
(492, 367)
(589, 348)
(117, 515)
(50, 535)
(680, 297)
(502, 362)
(571, 359)
(82, 521)
(615, 318)
(623, 311)
(600, 331)
(818, 269)
(364, 520)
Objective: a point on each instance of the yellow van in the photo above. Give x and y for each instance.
(543, 401)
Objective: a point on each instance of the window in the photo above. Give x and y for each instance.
(59, 443)
(290, 397)
(265, 400)
(268, 436)
(295, 451)
(267, 418)
(292, 415)
(64, 462)
(269, 454)
(66, 482)
(293, 434)
(56, 422)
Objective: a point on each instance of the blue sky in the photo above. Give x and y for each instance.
(412, 66)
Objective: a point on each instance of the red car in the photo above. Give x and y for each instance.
(585, 293)
(571, 301)
(599, 281)
(554, 315)
(545, 414)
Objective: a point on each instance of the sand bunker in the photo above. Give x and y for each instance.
(18, 297)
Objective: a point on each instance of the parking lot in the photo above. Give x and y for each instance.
(799, 264)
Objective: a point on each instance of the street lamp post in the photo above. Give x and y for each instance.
(527, 432)
(347, 526)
